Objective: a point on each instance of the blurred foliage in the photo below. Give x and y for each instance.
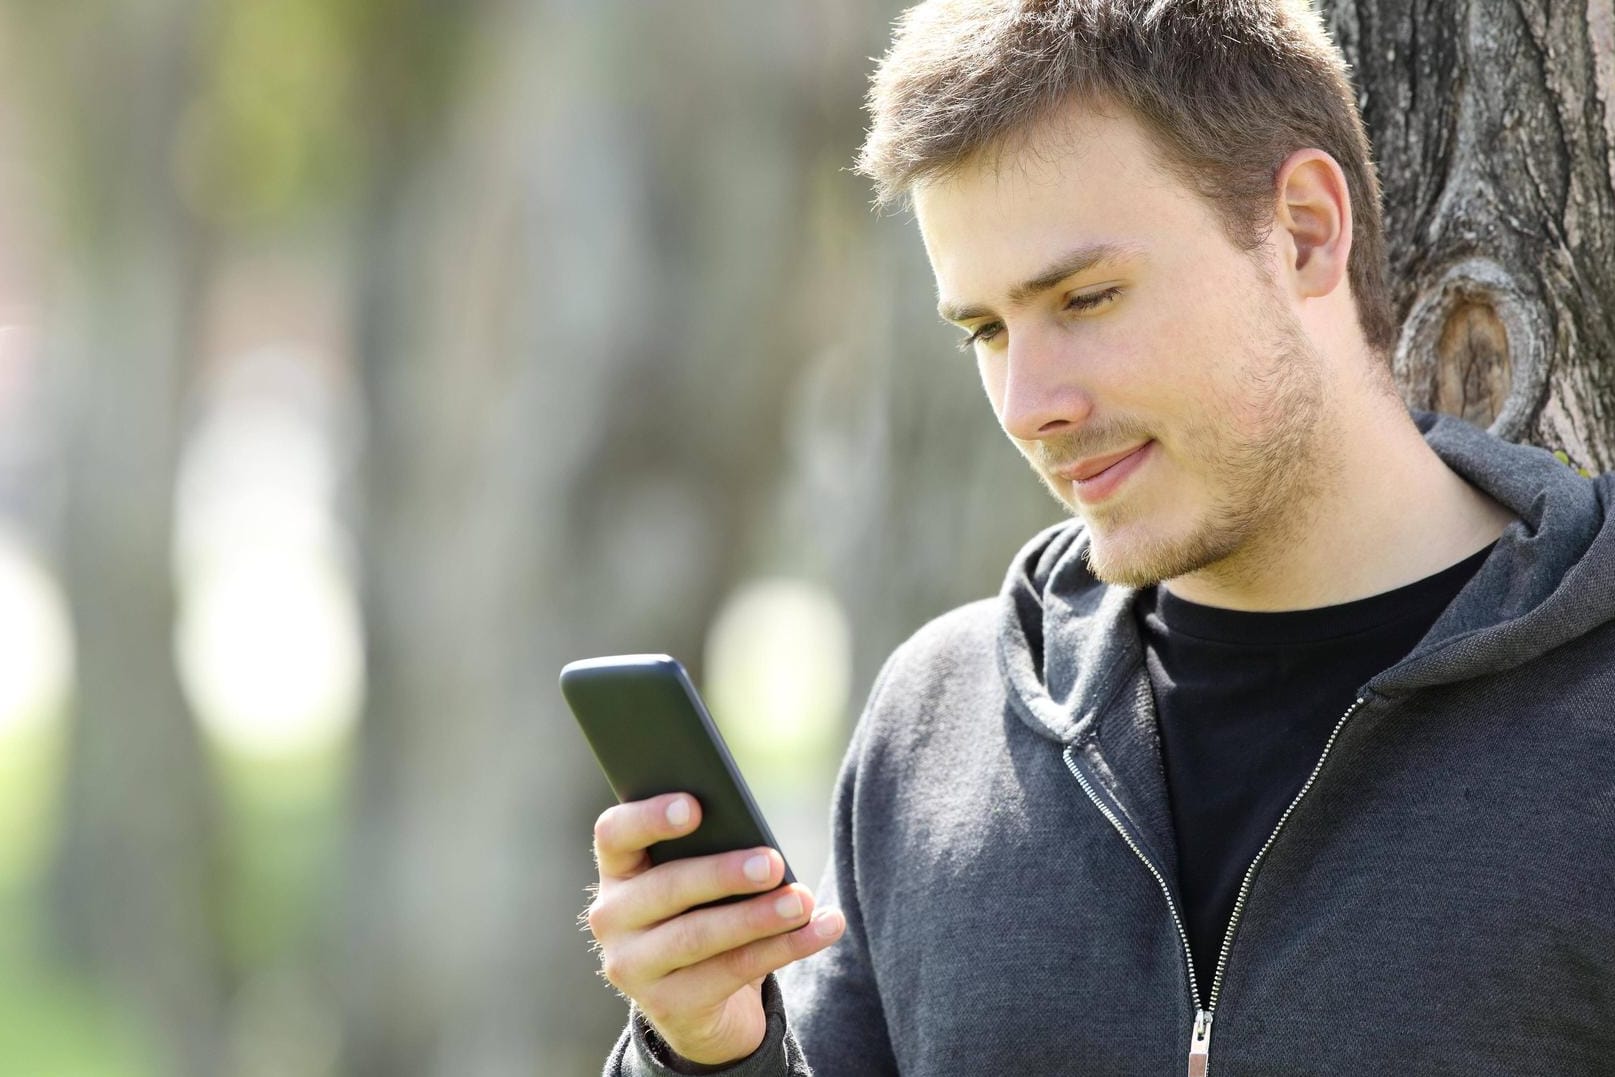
(286, 102)
(409, 58)
(282, 836)
(266, 135)
(55, 1021)
(283, 833)
(31, 755)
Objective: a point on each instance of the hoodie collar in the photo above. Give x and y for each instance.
(1068, 647)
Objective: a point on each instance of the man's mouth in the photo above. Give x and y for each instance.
(1093, 466)
(1095, 478)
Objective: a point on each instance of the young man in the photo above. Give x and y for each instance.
(1300, 731)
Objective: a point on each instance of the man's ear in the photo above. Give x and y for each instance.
(1312, 221)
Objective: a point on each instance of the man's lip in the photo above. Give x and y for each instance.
(1083, 470)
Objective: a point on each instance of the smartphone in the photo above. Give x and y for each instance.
(652, 734)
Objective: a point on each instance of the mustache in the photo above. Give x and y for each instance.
(1063, 450)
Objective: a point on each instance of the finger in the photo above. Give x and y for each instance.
(678, 886)
(644, 958)
(705, 933)
(708, 983)
(623, 832)
(638, 904)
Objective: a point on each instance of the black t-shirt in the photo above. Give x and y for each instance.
(1245, 702)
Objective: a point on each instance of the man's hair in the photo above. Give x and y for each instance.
(1227, 88)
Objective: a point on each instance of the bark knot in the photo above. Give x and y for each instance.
(1476, 345)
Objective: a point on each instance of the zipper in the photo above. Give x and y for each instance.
(1166, 892)
(1200, 1034)
(1200, 1044)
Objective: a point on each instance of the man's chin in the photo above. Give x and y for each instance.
(1121, 571)
(1128, 559)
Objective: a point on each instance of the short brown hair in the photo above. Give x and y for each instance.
(1228, 89)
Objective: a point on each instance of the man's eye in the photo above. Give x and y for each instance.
(984, 332)
(1093, 300)
(1079, 303)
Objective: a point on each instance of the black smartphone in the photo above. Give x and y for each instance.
(652, 734)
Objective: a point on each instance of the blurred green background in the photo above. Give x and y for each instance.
(360, 364)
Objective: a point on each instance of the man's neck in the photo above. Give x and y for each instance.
(1393, 513)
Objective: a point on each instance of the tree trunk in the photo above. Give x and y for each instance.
(468, 848)
(135, 880)
(1493, 125)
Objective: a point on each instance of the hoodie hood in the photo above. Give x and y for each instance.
(1068, 645)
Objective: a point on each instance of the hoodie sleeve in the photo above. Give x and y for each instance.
(824, 1009)
(640, 1052)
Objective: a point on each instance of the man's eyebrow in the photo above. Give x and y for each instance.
(1069, 265)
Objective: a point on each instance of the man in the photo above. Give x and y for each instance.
(1299, 733)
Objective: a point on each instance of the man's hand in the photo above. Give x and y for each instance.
(696, 974)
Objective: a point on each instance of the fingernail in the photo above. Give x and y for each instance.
(826, 922)
(756, 868)
(678, 812)
(789, 907)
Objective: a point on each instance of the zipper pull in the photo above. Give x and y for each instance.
(1200, 1044)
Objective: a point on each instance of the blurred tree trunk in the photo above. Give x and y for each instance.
(1494, 128)
(444, 962)
(432, 801)
(135, 879)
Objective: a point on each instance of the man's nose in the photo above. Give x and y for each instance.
(1044, 392)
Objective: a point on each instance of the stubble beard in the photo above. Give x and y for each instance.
(1268, 475)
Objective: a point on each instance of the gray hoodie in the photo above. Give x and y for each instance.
(1439, 898)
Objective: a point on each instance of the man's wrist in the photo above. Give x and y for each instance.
(770, 1059)
(672, 1060)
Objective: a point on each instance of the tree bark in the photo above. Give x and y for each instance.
(1493, 125)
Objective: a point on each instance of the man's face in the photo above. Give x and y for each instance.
(1148, 369)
